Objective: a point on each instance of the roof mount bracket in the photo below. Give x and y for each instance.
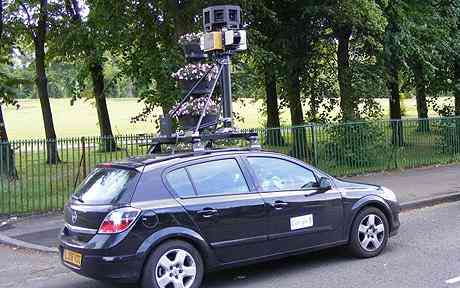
(198, 140)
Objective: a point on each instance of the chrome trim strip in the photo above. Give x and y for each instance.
(80, 229)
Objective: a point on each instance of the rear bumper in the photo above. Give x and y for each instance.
(120, 269)
(106, 257)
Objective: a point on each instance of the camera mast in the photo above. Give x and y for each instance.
(223, 37)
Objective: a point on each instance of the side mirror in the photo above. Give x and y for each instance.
(325, 184)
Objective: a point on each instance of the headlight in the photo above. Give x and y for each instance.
(389, 195)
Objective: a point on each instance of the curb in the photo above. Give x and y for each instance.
(428, 202)
(26, 245)
(417, 204)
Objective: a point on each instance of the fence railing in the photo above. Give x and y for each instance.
(29, 183)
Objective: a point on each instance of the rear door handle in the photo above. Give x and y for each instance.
(208, 212)
(278, 205)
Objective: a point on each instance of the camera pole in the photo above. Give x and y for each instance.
(227, 90)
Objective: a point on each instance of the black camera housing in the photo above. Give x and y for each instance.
(215, 18)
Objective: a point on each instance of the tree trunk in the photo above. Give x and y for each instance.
(273, 116)
(457, 88)
(42, 84)
(1, 22)
(395, 105)
(107, 140)
(348, 104)
(293, 95)
(7, 165)
(420, 93)
(274, 135)
(299, 135)
(456, 81)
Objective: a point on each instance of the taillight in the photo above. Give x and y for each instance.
(119, 220)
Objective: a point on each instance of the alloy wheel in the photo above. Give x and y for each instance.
(371, 232)
(176, 269)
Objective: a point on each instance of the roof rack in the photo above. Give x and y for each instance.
(200, 143)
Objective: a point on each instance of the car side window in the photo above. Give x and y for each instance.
(180, 183)
(218, 177)
(276, 174)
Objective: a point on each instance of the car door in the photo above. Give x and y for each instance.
(300, 214)
(230, 215)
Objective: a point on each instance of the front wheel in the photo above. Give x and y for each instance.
(174, 264)
(369, 234)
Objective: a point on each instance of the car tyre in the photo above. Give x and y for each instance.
(369, 233)
(173, 260)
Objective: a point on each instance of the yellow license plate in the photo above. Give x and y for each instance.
(72, 258)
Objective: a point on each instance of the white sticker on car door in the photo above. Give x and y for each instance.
(302, 222)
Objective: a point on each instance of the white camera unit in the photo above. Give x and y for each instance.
(223, 28)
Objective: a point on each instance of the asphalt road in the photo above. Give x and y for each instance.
(426, 253)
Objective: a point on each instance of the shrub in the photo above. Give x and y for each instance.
(357, 144)
(449, 136)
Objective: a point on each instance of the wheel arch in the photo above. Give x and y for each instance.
(178, 233)
(370, 201)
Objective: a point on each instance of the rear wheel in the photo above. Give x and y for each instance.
(174, 264)
(369, 234)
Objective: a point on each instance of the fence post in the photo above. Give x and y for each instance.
(83, 155)
(314, 144)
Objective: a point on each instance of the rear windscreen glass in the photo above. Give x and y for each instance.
(105, 186)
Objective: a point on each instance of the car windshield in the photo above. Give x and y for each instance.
(104, 186)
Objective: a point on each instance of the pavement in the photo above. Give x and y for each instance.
(425, 254)
(415, 188)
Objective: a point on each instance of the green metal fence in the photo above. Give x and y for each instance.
(362, 147)
(28, 184)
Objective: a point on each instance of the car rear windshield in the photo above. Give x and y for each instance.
(105, 186)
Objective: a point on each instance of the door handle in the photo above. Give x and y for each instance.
(208, 212)
(278, 205)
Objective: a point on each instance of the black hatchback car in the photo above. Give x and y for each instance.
(163, 221)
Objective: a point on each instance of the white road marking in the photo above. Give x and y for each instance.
(453, 280)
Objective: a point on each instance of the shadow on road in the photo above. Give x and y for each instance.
(283, 268)
(252, 274)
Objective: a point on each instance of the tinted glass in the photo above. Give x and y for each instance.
(105, 186)
(277, 174)
(218, 178)
(180, 182)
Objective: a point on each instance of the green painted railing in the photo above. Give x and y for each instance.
(29, 184)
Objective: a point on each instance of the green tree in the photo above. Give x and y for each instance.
(84, 43)
(427, 40)
(361, 22)
(31, 21)
(392, 57)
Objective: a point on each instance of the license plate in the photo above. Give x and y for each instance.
(72, 258)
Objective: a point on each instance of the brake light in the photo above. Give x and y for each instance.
(119, 220)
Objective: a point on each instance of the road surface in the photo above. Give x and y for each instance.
(426, 253)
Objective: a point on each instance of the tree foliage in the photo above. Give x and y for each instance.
(315, 58)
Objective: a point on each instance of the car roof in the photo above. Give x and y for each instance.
(149, 159)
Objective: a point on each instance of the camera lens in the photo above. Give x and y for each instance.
(218, 15)
(232, 15)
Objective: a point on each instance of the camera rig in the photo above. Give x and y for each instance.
(224, 36)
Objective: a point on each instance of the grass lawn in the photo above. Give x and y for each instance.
(81, 118)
